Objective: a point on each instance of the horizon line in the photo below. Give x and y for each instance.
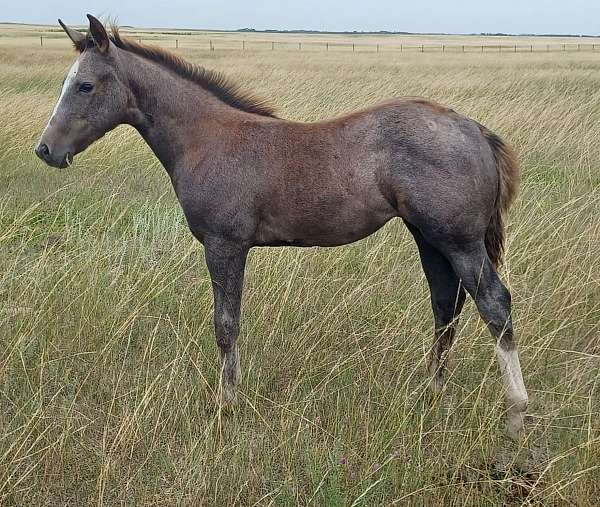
(335, 32)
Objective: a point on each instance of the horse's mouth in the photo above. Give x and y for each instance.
(67, 161)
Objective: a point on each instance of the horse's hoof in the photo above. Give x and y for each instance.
(515, 426)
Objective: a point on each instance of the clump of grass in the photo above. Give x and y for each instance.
(108, 362)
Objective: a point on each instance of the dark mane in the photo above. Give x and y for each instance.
(213, 81)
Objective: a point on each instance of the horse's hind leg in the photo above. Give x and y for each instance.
(493, 301)
(447, 299)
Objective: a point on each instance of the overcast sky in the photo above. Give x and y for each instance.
(451, 16)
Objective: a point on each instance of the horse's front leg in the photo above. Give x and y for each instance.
(226, 261)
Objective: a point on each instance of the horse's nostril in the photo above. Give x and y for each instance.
(42, 151)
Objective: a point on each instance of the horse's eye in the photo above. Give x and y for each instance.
(86, 87)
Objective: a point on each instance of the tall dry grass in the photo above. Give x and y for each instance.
(107, 357)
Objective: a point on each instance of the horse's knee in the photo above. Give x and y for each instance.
(226, 329)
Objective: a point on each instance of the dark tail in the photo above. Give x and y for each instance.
(508, 184)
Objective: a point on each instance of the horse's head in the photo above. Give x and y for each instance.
(93, 99)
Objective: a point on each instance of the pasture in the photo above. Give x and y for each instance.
(108, 365)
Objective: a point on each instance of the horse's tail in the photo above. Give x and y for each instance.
(508, 183)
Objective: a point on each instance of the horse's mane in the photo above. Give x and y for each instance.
(215, 82)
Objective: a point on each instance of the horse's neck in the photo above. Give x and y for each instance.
(169, 111)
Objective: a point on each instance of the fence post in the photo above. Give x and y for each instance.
(176, 43)
(515, 48)
(563, 47)
(41, 41)
(443, 48)
(353, 47)
(578, 47)
(327, 46)
(378, 48)
(463, 48)
(421, 48)
(401, 48)
(243, 45)
(482, 48)
(531, 48)
(210, 45)
(299, 46)
(140, 39)
(272, 46)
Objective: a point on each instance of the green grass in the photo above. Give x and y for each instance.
(108, 366)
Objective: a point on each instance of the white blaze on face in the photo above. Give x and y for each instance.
(68, 81)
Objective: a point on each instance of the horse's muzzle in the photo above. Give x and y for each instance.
(43, 151)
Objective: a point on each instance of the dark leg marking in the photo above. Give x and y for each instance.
(447, 300)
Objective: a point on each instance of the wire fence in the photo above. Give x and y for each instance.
(192, 42)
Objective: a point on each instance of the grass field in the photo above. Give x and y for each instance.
(108, 365)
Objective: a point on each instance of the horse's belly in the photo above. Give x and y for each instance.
(321, 230)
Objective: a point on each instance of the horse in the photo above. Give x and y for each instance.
(246, 178)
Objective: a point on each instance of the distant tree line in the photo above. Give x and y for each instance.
(388, 32)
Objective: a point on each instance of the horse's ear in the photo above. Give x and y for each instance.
(77, 37)
(99, 34)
